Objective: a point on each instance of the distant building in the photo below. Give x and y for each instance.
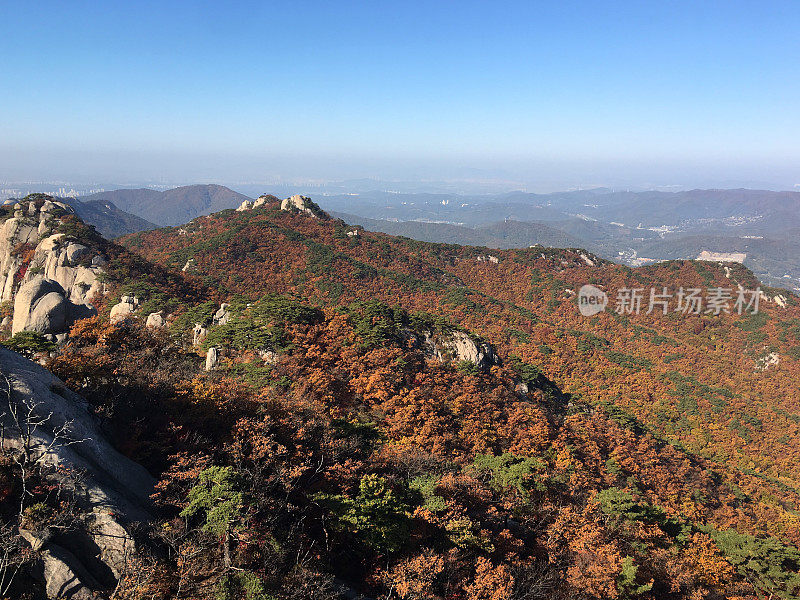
(737, 257)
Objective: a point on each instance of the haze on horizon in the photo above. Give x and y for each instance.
(543, 96)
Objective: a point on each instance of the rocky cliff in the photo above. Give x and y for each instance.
(50, 430)
(50, 273)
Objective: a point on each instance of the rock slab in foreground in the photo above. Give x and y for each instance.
(114, 492)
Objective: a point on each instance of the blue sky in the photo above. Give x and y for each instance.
(568, 93)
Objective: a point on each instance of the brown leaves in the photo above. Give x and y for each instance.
(417, 577)
(491, 582)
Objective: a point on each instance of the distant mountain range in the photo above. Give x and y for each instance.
(504, 234)
(630, 227)
(768, 210)
(172, 207)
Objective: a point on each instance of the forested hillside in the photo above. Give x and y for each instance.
(698, 380)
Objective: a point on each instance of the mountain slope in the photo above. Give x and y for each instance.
(625, 226)
(711, 389)
(520, 234)
(110, 221)
(525, 304)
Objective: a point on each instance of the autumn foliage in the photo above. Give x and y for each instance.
(333, 451)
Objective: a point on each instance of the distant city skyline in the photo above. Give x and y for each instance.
(519, 95)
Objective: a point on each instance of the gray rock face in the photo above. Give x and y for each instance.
(73, 265)
(198, 334)
(212, 359)
(457, 345)
(15, 232)
(114, 491)
(155, 320)
(60, 260)
(41, 305)
(123, 310)
(302, 204)
(260, 201)
(58, 568)
(75, 252)
(222, 316)
(465, 348)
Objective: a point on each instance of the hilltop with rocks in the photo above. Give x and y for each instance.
(293, 204)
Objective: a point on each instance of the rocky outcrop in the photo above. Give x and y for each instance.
(258, 203)
(124, 309)
(42, 305)
(51, 276)
(270, 357)
(199, 333)
(58, 569)
(466, 348)
(112, 491)
(212, 358)
(263, 200)
(29, 246)
(15, 235)
(296, 204)
(303, 204)
(453, 346)
(769, 359)
(74, 266)
(223, 315)
(155, 320)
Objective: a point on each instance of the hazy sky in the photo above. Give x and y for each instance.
(552, 94)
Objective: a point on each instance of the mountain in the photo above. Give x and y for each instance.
(630, 227)
(774, 260)
(520, 234)
(506, 234)
(110, 221)
(330, 413)
(171, 207)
